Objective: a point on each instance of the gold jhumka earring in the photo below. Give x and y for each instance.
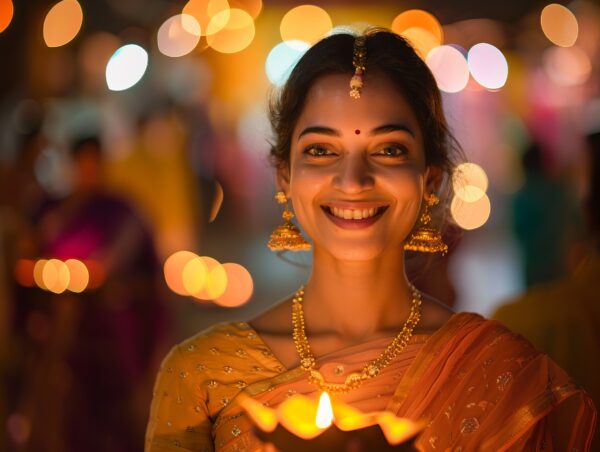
(359, 61)
(427, 239)
(287, 237)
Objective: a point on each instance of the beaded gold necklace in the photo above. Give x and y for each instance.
(371, 368)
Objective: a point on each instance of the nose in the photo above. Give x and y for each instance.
(354, 174)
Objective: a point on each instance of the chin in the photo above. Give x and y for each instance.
(354, 252)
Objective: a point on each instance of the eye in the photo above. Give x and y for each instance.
(318, 151)
(392, 150)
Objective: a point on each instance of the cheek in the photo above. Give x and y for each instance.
(305, 185)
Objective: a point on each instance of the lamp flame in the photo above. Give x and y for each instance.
(324, 411)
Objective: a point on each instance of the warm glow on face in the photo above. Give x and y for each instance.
(235, 36)
(62, 23)
(449, 67)
(79, 275)
(126, 67)
(204, 11)
(281, 60)
(178, 35)
(56, 276)
(488, 65)
(421, 28)
(6, 14)
(470, 182)
(324, 416)
(559, 25)
(24, 272)
(470, 215)
(239, 286)
(217, 202)
(306, 23)
(567, 66)
(173, 270)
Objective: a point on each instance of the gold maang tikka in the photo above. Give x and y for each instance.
(287, 237)
(359, 61)
(427, 239)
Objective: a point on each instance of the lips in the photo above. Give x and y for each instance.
(354, 217)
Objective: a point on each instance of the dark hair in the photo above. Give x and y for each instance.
(389, 54)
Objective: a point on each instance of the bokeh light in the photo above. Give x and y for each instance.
(306, 23)
(487, 65)
(421, 28)
(567, 66)
(216, 280)
(194, 275)
(470, 215)
(469, 181)
(62, 23)
(79, 276)
(239, 286)
(449, 68)
(173, 270)
(559, 25)
(126, 67)
(204, 11)
(38, 270)
(217, 202)
(24, 272)
(97, 273)
(94, 53)
(178, 35)
(235, 36)
(252, 7)
(6, 14)
(56, 276)
(281, 60)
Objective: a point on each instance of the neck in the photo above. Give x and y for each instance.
(359, 298)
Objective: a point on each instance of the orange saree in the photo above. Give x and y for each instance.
(478, 386)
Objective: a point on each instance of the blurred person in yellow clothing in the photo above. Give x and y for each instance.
(562, 318)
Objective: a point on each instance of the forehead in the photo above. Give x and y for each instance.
(328, 103)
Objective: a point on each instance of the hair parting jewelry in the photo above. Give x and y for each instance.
(427, 239)
(370, 369)
(287, 237)
(359, 61)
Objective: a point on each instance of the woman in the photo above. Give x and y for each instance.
(362, 165)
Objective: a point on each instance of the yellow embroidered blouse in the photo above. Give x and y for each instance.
(480, 386)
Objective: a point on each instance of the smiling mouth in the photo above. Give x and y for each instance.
(352, 218)
(354, 214)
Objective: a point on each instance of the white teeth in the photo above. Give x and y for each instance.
(350, 214)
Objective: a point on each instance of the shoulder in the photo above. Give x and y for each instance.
(221, 340)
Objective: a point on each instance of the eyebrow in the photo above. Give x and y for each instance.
(386, 128)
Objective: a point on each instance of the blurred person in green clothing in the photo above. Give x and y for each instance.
(562, 318)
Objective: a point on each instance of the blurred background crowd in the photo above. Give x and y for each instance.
(136, 196)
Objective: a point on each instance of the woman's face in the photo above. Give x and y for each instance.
(357, 168)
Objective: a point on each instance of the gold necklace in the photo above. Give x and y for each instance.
(372, 368)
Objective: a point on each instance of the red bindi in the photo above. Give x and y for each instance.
(357, 131)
